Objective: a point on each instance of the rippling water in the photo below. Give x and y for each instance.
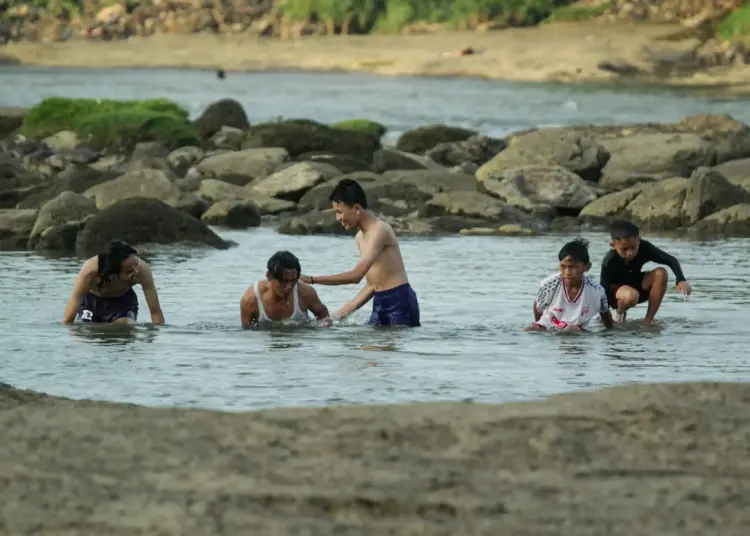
(475, 292)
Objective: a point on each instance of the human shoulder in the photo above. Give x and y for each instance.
(609, 257)
(249, 299)
(550, 281)
(307, 292)
(594, 285)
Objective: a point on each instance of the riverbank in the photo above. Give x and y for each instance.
(643, 459)
(581, 52)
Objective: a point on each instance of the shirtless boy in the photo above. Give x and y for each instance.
(570, 299)
(626, 284)
(103, 291)
(281, 296)
(380, 263)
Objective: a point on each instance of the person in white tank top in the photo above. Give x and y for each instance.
(281, 297)
(570, 300)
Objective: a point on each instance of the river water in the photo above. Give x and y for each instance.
(475, 292)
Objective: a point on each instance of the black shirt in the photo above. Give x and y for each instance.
(615, 271)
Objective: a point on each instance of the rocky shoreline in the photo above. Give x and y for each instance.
(636, 459)
(70, 187)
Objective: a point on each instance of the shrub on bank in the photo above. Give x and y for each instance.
(736, 24)
(111, 124)
(361, 16)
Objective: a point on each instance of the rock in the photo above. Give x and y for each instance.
(144, 220)
(66, 207)
(233, 214)
(729, 137)
(222, 113)
(737, 172)
(193, 204)
(655, 155)
(216, 191)
(59, 141)
(660, 205)
(344, 163)
(509, 229)
(145, 183)
(548, 147)
(313, 223)
(300, 136)
(527, 187)
(242, 167)
(11, 119)
(474, 205)
(429, 181)
(610, 205)
(228, 138)
(387, 159)
(15, 227)
(64, 157)
(60, 238)
(182, 159)
(149, 149)
(476, 150)
(709, 191)
(293, 181)
(76, 178)
(422, 139)
(729, 222)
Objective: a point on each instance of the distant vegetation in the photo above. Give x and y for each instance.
(736, 24)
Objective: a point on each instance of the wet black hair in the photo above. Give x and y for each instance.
(578, 249)
(350, 193)
(281, 261)
(623, 229)
(110, 262)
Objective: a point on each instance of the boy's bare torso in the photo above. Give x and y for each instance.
(388, 270)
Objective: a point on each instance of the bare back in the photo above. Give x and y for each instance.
(388, 270)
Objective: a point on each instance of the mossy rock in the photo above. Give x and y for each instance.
(422, 139)
(300, 136)
(111, 124)
(362, 125)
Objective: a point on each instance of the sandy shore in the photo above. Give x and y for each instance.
(563, 52)
(639, 459)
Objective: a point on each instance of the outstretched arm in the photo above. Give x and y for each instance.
(81, 286)
(372, 249)
(659, 256)
(248, 309)
(146, 278)
(362, 297)
(313, 302)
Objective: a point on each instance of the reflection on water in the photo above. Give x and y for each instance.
(114, 334)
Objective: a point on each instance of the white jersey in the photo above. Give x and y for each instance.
(558, 311)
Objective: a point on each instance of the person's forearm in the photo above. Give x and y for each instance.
(157, 317)
(345, 278)
(362, 297)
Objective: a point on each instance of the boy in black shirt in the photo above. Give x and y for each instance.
(624, 282)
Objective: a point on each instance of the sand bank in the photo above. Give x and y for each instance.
(562, 52)
(639, 459)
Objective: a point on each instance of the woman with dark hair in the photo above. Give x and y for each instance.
(103, 291)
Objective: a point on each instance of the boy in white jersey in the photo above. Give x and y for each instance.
(571, 299)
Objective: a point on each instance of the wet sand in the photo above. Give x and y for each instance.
(561, 52)
(639, 459)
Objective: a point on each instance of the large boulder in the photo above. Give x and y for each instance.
(422, 139)
(300, 136)
(474, 204)
(216, 191)
(342, 162)
(65, 208)
(10, 120)
(574, 151)
(224, 112)
(234, 214)
(243, 167)
(528, 187)
(660, 205)
(15, 227)
(660, 155)
(144, 183)
(737, 172)
(76, 178)
(611, 205)
(144, 220)
(291, 182)
(477, 150)
(312, 223)
(733, 221)
(183, 158)
(387, 159)
(708, 192)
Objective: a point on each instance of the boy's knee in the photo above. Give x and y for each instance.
(660, 275)
(627, 296)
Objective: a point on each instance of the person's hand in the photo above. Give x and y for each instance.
(684, 287)
(305, 279)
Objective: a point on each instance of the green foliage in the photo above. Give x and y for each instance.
(362, 125)
(113, 124)
(736, 24)
(578, 13)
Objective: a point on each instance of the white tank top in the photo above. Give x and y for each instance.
(297, 314)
